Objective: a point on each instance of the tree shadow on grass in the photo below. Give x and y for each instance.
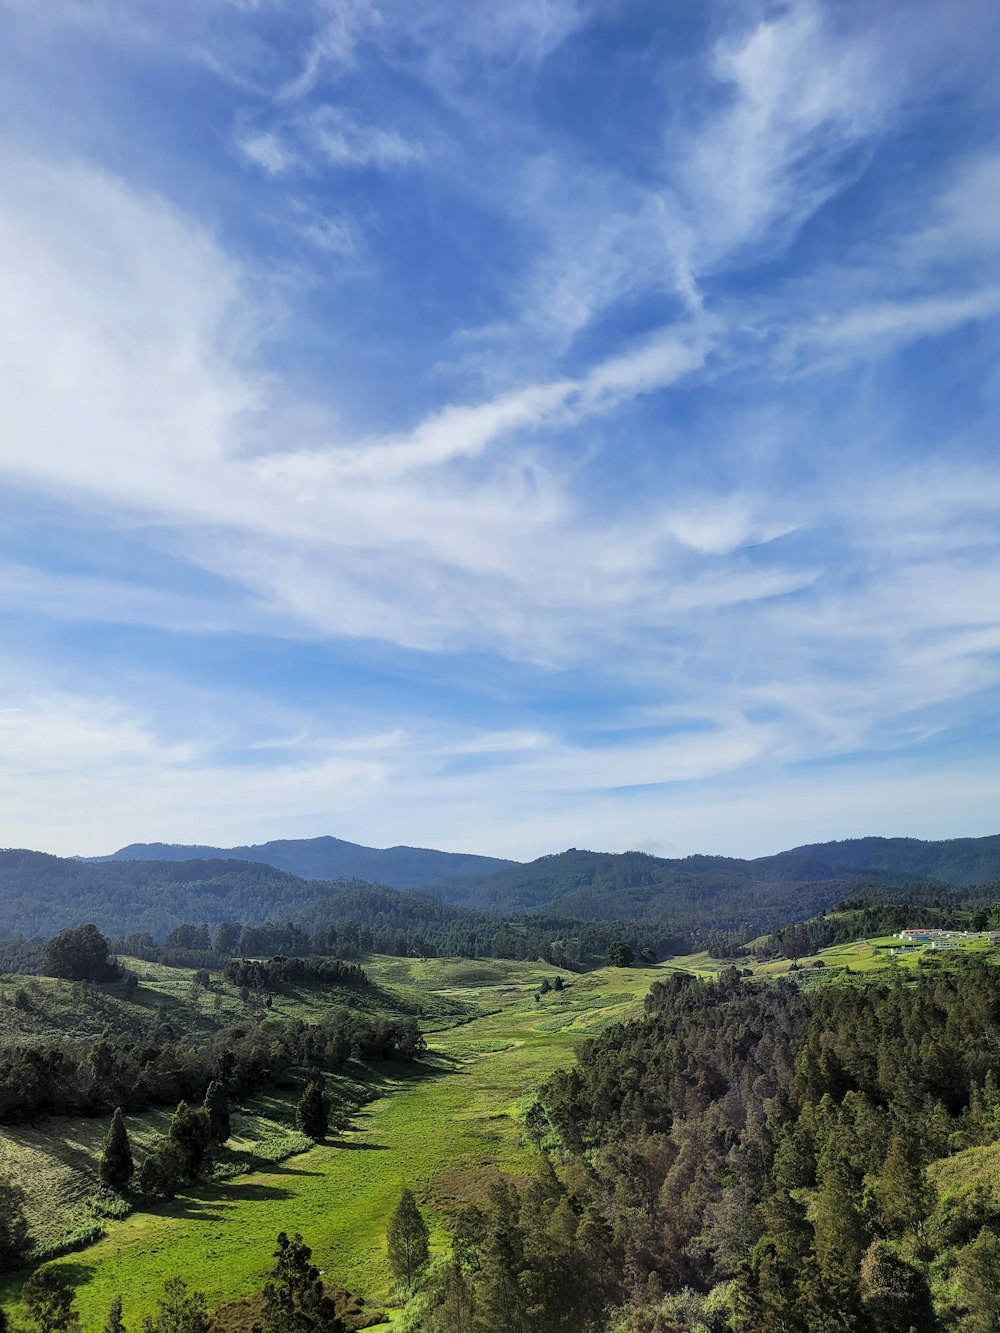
(279, 1169)
(251, 1191)
(350, 1145)
(77, 1274)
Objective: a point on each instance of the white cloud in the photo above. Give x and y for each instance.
(268, 150)
(342, 141)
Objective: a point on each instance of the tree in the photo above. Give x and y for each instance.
(311, 1113)
(190, 1133)
(13, 1227)
(904, 1196)
(179, 1312)
(407, 1240)
(116, 1165)
(978, 1272)
(894, 1293)
(620, 955)
(79, 955)
(162, 1171)
(48, 1300)
(294, 1300)
(114, 1323)
(536, 1123)
(217, 1105)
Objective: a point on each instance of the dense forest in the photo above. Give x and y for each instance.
(578, 898)
(758, 1157)
(150, 909)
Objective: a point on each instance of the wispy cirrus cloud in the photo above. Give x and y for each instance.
(659, 430)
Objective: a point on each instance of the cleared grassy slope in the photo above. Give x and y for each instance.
(440, 1131)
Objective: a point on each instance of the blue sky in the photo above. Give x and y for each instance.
(499, 427)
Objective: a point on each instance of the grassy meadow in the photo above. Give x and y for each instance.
(440, 1128)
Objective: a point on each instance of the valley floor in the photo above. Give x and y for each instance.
(440, 1128)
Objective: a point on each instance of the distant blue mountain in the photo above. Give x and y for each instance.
(330, 858)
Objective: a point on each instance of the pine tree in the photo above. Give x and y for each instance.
(904, 1197)
(48, 1300)
(978, 1272)
(894, 1292)
(408, 1240)
(161, 1172)
(311, 1114)
(294, 1300)
(114, 1323)
(456, 1312)
(190, 1134)
(217, 1105)
(116, 1165)
(180, 1312)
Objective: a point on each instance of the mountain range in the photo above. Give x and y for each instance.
(153, 887)
(328, 858)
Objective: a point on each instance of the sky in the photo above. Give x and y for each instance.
(499, 427)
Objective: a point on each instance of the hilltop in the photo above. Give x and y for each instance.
(327, 858)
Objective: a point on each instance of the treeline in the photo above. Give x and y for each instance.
(202, 913)
(572, 945)
(257, 974)
(860, 918)
(759, 1155)
(72, 1077)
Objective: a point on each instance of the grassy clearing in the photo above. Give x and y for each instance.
(859, 956)
(441, 1131)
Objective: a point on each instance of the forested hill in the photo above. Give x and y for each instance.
(955, 861)
(724, 891)
(329, 859)
(187, 904)
(41, 894)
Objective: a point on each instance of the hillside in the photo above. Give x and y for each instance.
(328, 858)
(442, 1125)
(189, 904)
(39, 894)
(725, 892)
(696, 893)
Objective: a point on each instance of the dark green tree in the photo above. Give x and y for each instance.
(116, 1165)
(79, 955)
(620, 955)
(894, 1292)
(978, 1272)
(470, 1232)
(903, 1194)
(161, 1172)
(179, 1311)
(13, 1227)
(294, 1300)
(217, 1105)
(407, 1240)
(114, 1322)
(536, 1123)
(190, 1133)
(311, 1114)
(48, 1300)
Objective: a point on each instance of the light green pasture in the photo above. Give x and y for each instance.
(441, 1131)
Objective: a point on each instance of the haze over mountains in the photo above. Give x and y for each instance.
(154, 887)
(955, 861)
(328, 858)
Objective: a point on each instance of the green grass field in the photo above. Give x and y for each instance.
(441, 1130)
(859, 956)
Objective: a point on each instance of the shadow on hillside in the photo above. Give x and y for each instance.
(78, 1274)
(214, 1207)
(349, 1145)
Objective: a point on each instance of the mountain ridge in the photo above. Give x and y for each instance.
(326, 858)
